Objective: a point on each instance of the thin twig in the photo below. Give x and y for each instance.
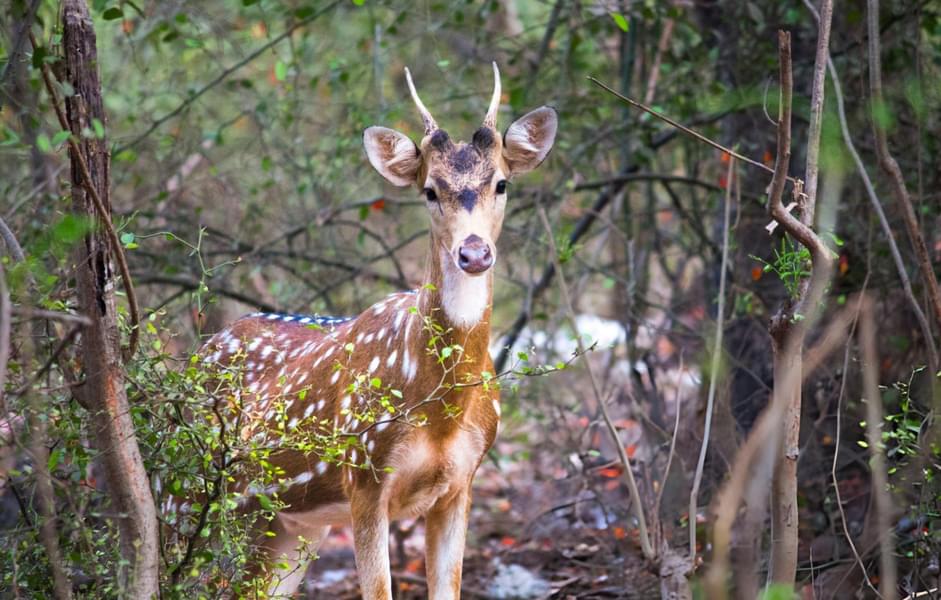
(5, 318)
(104, 214)
(876, 203)
(672, 453)
(848, 320)
(891, 167)
(16, 251)
(225, 74)
(686, 130)
(51, 315)
(816, 111)
(645, 544)
(716, 363)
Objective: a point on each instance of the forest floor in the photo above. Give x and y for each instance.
(534, 532)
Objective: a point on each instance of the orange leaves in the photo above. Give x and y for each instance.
(756, 273)
(619, 533)
(507, 541)
(378, 205)
(844, 264)
(767, 159)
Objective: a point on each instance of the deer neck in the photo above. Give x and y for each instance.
(456, 308)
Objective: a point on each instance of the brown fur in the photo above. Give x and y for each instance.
(420, 458)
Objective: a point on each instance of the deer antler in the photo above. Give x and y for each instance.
(426, 117)
(491, 119)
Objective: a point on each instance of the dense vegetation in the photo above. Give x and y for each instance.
(641, 292)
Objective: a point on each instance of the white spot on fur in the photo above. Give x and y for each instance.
(496, 406)
(391, 360)
(373, 364)
(406, 361)
(336, 377)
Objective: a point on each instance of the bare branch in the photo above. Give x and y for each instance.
(891, 167)
(716, 363)
(636, 500)
(888, 587)
(684, 129)
(876, 204)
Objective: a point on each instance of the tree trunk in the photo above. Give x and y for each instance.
(104, 388)
(784, 522)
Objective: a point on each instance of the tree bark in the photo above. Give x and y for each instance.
(128, 484)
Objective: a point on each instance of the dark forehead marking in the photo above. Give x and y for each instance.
(467, 198)
(483, 138)
(442, 184)
(464, 159)
(440, 140)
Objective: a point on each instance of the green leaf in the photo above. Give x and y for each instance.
(127, 238)
(446, 352)
(359, 2)
(621, 21)
(375, 382)
(60, 137)
(265, 502)
(113, 13)
(42, 142)
(99, 128)
(280, 70)
(54, 457)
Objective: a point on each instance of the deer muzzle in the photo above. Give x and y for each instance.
(474, 255)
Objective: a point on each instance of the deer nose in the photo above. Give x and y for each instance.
(474, 255)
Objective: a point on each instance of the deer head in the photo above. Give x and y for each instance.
(465, 187)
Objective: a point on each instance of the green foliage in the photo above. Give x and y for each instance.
(791, 264)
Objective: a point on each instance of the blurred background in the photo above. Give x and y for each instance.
(239, 183)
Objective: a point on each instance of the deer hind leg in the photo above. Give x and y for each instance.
(371, 541)
(445, 533)
(288, 553)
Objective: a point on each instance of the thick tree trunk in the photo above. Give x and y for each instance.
(127, 480)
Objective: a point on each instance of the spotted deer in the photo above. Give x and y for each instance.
(403, 385)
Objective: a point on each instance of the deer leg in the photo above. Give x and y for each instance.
(289, 551)
(371, 542)
(445, 533)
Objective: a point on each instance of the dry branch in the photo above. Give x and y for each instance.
(888, 587)
(891, 167)
(876, 204)
(714, 371)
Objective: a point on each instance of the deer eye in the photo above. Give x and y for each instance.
(501, 186)
(431, 195)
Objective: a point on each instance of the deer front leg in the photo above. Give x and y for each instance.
(371, 542)
(445, 533)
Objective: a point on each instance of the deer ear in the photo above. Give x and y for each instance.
(393, 154)
(529, 139)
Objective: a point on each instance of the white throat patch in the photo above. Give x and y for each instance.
(464, 297)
